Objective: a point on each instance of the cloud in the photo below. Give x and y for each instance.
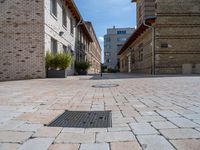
(101, 39)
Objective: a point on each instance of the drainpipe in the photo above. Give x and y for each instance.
(153, 47)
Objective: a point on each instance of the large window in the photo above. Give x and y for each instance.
(64, 48)
(54, 46)
(121, 32)
(53, 7)
(64, 15)
(141, 54)
(107, 53)
(71, 26)
(121, 39)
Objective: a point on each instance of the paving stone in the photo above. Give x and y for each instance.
(64, 147)
(75, 138)
(114, 129)
(193, 116)
(163, 125)
(182, 122)
(74, 130)
(9, 146)
(10, 125)
(148, 113)
(114, 136)
(132, 145)
(188, 144)
(98, 146)
(28, 127)
(198, 129)
(154, 142)
(37, 144)
(144, 119)
(47, 132)
(183, 133)
(168, 113)
(95, 130)
(142, 128)
(14, 137)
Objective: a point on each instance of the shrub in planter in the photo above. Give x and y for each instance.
(82, 67)
(56, 64)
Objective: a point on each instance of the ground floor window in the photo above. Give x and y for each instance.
(54, 46)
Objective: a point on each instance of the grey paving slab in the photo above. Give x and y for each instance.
(37, 144)
(95, 146)
(143, 128)
(154, 142)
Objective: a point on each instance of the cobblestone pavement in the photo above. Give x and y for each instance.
(150, 113)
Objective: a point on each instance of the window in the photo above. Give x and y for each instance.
(164, 45)
(107, 53)
(121, 32)
(53, 7)
(121, 39)
(119, 46)
(64, 49)
(141, 54)
(108, 60)
(54, 46)
(107, 39)
(71, 26)
(64, 15)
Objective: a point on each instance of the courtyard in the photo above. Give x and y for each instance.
(150, 113)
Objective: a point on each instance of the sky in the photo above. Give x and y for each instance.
(107, 13)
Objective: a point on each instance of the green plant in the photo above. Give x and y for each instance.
(82, 66)
(60, 61)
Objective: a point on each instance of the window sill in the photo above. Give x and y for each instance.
(54, 16)
(65, 27)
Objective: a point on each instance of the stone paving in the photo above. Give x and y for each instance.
(150, 113)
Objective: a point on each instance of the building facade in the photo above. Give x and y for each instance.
(166, 41)
(28, 29)
(113, 42)
(88, 48)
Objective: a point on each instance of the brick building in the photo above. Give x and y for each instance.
(167, 38)
(28, 29)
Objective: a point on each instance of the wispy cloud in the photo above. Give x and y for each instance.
(101, 39)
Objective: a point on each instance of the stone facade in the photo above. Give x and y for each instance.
(94, 54)
(27, 28)
(177, 40)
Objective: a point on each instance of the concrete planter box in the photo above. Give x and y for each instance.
(83, 73)
(56, 73)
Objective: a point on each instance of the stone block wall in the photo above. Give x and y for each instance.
(53, 26)
(177, 35)
(21, 39)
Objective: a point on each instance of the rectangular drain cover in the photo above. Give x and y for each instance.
(83, 119)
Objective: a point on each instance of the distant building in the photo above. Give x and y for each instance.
(113, 42)
(167, 38)
(29, 29)
(87, 47)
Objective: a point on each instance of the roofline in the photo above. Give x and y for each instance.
(149, 20)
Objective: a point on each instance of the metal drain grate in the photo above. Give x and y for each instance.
(83, 119)
(105, 85)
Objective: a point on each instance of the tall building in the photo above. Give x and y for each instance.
(113, 42)
(167, 38)
(28, 29)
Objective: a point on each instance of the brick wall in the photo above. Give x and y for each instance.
(22, 39)
(178, 27)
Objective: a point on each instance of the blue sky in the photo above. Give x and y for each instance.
(106, 13)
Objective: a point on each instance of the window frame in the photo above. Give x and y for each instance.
(54, 46)
(53, 8)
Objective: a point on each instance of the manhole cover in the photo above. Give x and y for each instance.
(83, 119)
(105, 85)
